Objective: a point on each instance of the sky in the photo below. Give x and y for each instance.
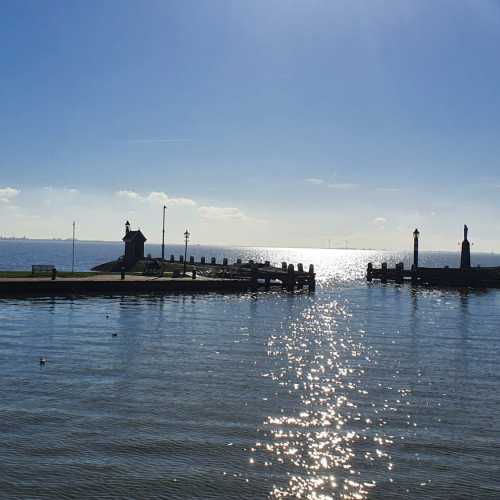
(259, 122)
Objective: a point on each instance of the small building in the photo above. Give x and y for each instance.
(134, 246)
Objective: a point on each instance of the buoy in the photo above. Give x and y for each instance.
(43, 360)
(114, 334)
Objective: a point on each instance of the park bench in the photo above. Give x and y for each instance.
(41, 269)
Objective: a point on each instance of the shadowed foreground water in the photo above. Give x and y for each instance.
(356, 391)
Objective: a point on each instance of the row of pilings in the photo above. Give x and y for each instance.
(291, 278)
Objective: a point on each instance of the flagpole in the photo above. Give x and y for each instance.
(73, 258)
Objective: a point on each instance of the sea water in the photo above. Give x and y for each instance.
(356, 391)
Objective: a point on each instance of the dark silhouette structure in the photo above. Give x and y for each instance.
(465, 255)
(134, 246)
(463, 276)
(415, 248)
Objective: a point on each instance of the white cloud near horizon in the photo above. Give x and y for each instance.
(7, 194)
(225, 213)
(314, 180)
(156, 197)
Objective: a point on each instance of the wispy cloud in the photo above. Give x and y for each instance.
(7, 194)
(379, 220)
(344, 186)
(156, 197)
(154, 141)
(314, 180)
(225, 214)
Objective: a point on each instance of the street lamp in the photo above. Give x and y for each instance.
(163, 235)
(186, 238)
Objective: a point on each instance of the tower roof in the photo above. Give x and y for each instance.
(132, 235)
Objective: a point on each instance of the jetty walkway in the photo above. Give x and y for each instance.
(253, 279)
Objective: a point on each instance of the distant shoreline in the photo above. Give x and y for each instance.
(116, 242)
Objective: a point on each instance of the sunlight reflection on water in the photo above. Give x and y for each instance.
(322, 442)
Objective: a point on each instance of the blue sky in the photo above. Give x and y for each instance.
(257, 122)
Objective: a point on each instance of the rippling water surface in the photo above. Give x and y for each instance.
(358, 391)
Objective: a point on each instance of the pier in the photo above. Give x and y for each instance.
(200, 277)
(463, 276)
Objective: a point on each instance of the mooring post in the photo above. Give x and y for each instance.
(122, 273)
(290, 278)
(238, 261)
(251, 262)
(383, 279)
(369, 272)
(267, 263)
(284, 266)
(181, 258)
(312, 278)
(399, 272)
(191, 259)
(193, 274)
(213, 260)
(224, 261)
(54, 273)
(300, 267)
(172, 258)
(203, 260)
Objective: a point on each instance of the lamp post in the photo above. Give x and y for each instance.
(416, 234)
(163, 235)
(186, 238)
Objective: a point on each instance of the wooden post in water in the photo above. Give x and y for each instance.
(191, 259)
(300, 267)
(312, 278)
(172, 258)
(213, 260)
(290, 278)
(383, 279)
(399, 272)
(238, 261)
(369, 272)
(203, 260)
(284, 266)
(181, 258)
(224, 261)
